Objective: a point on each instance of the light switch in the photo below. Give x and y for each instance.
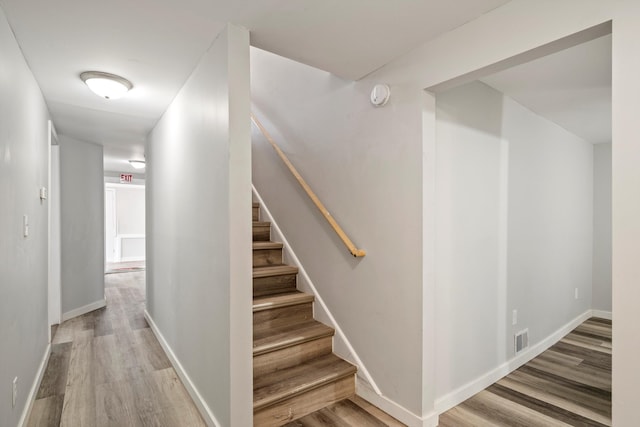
(25, 224)
(43, 193)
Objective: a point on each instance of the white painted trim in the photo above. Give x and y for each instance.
(26, 412)
(392, 408)
(458, 396)
(340, 335)
(602, 314)
(84, 310)
(132, 259)
(202, 406)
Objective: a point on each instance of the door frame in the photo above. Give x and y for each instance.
(54, 288)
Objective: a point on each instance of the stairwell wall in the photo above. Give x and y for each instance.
(23, 260)
(365, 164)
(198, 231)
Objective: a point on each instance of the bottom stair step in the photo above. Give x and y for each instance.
(347, 413)
(288, 394)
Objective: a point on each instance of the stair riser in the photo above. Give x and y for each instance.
(266, 257)
(261, 233)
(273, 285)
(305, 403)
(282, 316)
(256, 213)
(291, 356)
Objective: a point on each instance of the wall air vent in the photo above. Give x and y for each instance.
(521, 340)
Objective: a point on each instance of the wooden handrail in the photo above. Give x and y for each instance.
(339, 231)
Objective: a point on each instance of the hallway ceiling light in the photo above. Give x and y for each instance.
(137, 164)
(106, 85)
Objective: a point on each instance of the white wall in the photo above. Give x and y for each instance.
(625, 212)
(481, 43)
(602, 227)
(82, 225)
(470, 232)
(55, 242)
(364, 163)
(514, 230)
(130, 210)
(23, 260)
(199, 230)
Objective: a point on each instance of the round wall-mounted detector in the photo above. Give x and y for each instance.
(380, 95)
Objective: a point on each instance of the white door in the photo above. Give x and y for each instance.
(110, 225)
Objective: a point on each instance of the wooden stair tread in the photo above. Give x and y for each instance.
(281, 385)
(257, 245)
(288, 336)
(261, 224)
(255, 204)
(285, 299)
(346, 413)
(274, 270)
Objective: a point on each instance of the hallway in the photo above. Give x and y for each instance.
(107, 369)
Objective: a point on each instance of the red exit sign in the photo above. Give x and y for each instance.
(126, 178)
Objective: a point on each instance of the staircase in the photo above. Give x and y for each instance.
(294, 369)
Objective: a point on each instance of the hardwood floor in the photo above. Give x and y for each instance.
(352, 412)
(107, 369)
(567, 385)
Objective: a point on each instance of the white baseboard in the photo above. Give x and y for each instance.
(84, 310)
(392, 408)
(202, 406)
(602, 314)
(132, 259)
(458, 396)
(31, 398)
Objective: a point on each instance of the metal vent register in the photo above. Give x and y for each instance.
(522, 340)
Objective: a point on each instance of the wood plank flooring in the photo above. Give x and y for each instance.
(567, 385)
(107, 369)
(353, 412)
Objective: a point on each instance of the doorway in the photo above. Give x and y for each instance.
(124, 227)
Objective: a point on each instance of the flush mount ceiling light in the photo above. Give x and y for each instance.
(106, 85)
(137, 164)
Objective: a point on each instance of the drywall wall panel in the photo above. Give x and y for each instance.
(514, 230)
(365, 165)
(199, 229)
(625, 212)
(82, 224)
(481, 44)
(23, 259)
(602, 227)
(550, 224)
(130, 210)
(470, 285)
